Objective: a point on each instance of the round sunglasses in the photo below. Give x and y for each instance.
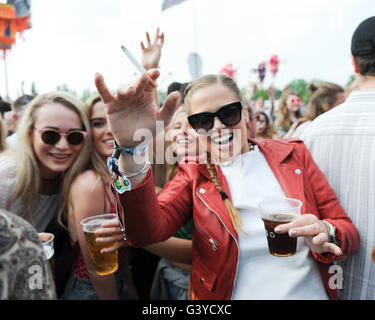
(52, 137)
(229, 115)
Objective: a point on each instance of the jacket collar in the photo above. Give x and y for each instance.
(276, 150)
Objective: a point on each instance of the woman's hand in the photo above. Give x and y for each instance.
(133, 109)
(110, 232)
(152, 53)
(314, 231)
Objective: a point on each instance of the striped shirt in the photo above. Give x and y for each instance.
(342, 142)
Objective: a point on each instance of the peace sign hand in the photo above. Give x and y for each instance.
(152, 53)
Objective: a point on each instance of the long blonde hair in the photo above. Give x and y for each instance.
(193, 87)
(96, 162)
(28, 173)
(283, 114)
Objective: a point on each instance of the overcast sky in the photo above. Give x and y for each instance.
(70, 40)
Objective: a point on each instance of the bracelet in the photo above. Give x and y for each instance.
(143, 170)
(132, 150)
(120, 180)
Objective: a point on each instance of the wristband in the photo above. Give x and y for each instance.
(120, 183)
(132, 150)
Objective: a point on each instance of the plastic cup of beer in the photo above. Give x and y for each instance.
(275, 211)
(104, 263)
(48, 247)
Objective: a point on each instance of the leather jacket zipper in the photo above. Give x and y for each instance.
(235, 240)
(212, 241)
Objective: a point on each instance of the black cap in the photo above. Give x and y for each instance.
(363, 41)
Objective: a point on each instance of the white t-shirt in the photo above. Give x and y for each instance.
(261, 275)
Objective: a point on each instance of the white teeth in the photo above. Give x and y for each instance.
(109, 141)
(223, 139)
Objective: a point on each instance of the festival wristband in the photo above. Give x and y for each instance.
(132, 151)
(120, 183)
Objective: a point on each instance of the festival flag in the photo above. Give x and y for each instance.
(169, 3)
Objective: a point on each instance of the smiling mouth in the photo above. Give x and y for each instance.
(60, 156)
(223, 140)
(109, 142)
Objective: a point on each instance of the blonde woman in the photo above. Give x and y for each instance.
(288, 113)
(36, 175)
(90, 195)
(222, 196)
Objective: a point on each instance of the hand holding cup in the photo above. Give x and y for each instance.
(314, 231)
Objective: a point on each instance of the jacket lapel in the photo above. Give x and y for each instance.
(288, 174)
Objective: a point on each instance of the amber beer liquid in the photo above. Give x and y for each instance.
(104, 263)
(275, 211)
(280, 245)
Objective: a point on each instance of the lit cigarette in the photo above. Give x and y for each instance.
(137, 64)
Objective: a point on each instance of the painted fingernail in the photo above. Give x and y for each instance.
(277, 230)
(318, 241)
(293, 233)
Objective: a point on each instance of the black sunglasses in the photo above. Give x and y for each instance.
(229, 115)
(49, 136)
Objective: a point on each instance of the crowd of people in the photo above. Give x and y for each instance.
(188, 222)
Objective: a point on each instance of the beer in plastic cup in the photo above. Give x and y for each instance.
(104, 263)
(275, 211)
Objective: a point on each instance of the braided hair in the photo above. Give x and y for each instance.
(193, 87)
(233, 212)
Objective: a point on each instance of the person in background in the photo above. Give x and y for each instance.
(212, 194)
(342, 142)
(18, 109)
(250, 121)
(324, 97)
(21, 259)
(288, 113)
(6, 115)
(264, 127)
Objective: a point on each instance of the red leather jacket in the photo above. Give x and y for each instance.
(150, 219)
